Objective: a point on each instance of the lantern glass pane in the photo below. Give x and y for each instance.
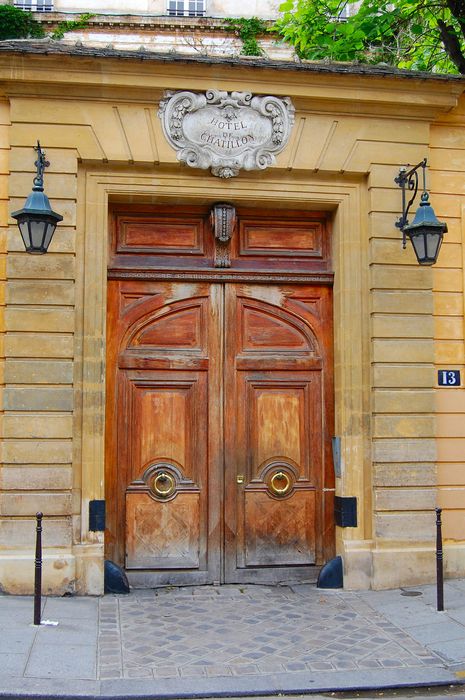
(49, 234)
(419, 246)
(433, 243)
(38, 229)
(25, 234)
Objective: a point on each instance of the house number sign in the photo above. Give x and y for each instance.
(226, 131)
(449, 377)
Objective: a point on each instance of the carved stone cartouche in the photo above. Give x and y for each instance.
(224, 131)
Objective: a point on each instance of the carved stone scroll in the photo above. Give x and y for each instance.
(223, 221)
(226, 131)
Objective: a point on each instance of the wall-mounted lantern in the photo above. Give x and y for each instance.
(425, 231)
(37, 221)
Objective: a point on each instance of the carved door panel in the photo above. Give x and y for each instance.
(162, 457)
(217, 398)
(277, 390)
(219, 394)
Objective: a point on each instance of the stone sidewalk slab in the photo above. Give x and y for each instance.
(231, 641)
(441, 633)
(273, 684)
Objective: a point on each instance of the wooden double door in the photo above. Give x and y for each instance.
(218, 431)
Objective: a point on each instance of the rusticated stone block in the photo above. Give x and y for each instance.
(451, 474)
(453, 498)
(25, 504)
(410, 474)
(415, 350)
(384, 252)
(58, 573)
(38, 399)
(451, 449)
(28, 478)
(37, 425)
(405, 499)
(32, 267)
(401, 302)
(403, 401)
(449, 328)
(59, 320)
(451, 425)
(411, 527)
(38, 372)
(47, 292)
(394, 568)
(404, 450)
(20, 533)
(39, 345)
(450, 352)
(406, 277)
(448, 280)
(402, 326)
(403, 376)
(37, 451)
(391, 426)
(448, 401)
(358, 568)
(448, 303)
(89, 569)
(454, 558)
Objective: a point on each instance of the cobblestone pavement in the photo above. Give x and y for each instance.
(252, 630)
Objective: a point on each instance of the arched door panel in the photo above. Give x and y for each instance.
(216, 414)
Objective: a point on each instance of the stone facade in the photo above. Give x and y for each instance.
(95, 114)
(268, 9)
(150, 26)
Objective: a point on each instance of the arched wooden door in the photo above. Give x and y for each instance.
(218, 428)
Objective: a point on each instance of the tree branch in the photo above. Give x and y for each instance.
(452, 45)
(457, 8)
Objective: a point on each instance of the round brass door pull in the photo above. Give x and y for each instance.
(163, 478)
(280, 490)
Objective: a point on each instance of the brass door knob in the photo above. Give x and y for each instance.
(163, 485)
(240, 478)
(280, 483)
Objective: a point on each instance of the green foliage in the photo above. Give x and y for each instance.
(248, 29)
(72, 25)
(17, 24)
(426, 35)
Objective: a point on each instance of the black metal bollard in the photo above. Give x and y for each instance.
(439, 563)
(38, 570)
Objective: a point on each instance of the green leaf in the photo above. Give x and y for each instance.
(18, 24)
(403, 33)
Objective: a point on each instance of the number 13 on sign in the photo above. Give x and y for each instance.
(449, 377)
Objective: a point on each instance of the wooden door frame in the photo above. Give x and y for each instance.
(347, 199)
(264, 242)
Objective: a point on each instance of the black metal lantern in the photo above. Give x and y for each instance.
(425, 232)
(36, 220)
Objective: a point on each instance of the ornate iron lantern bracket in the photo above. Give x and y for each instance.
(408, 181)
(425, 232)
